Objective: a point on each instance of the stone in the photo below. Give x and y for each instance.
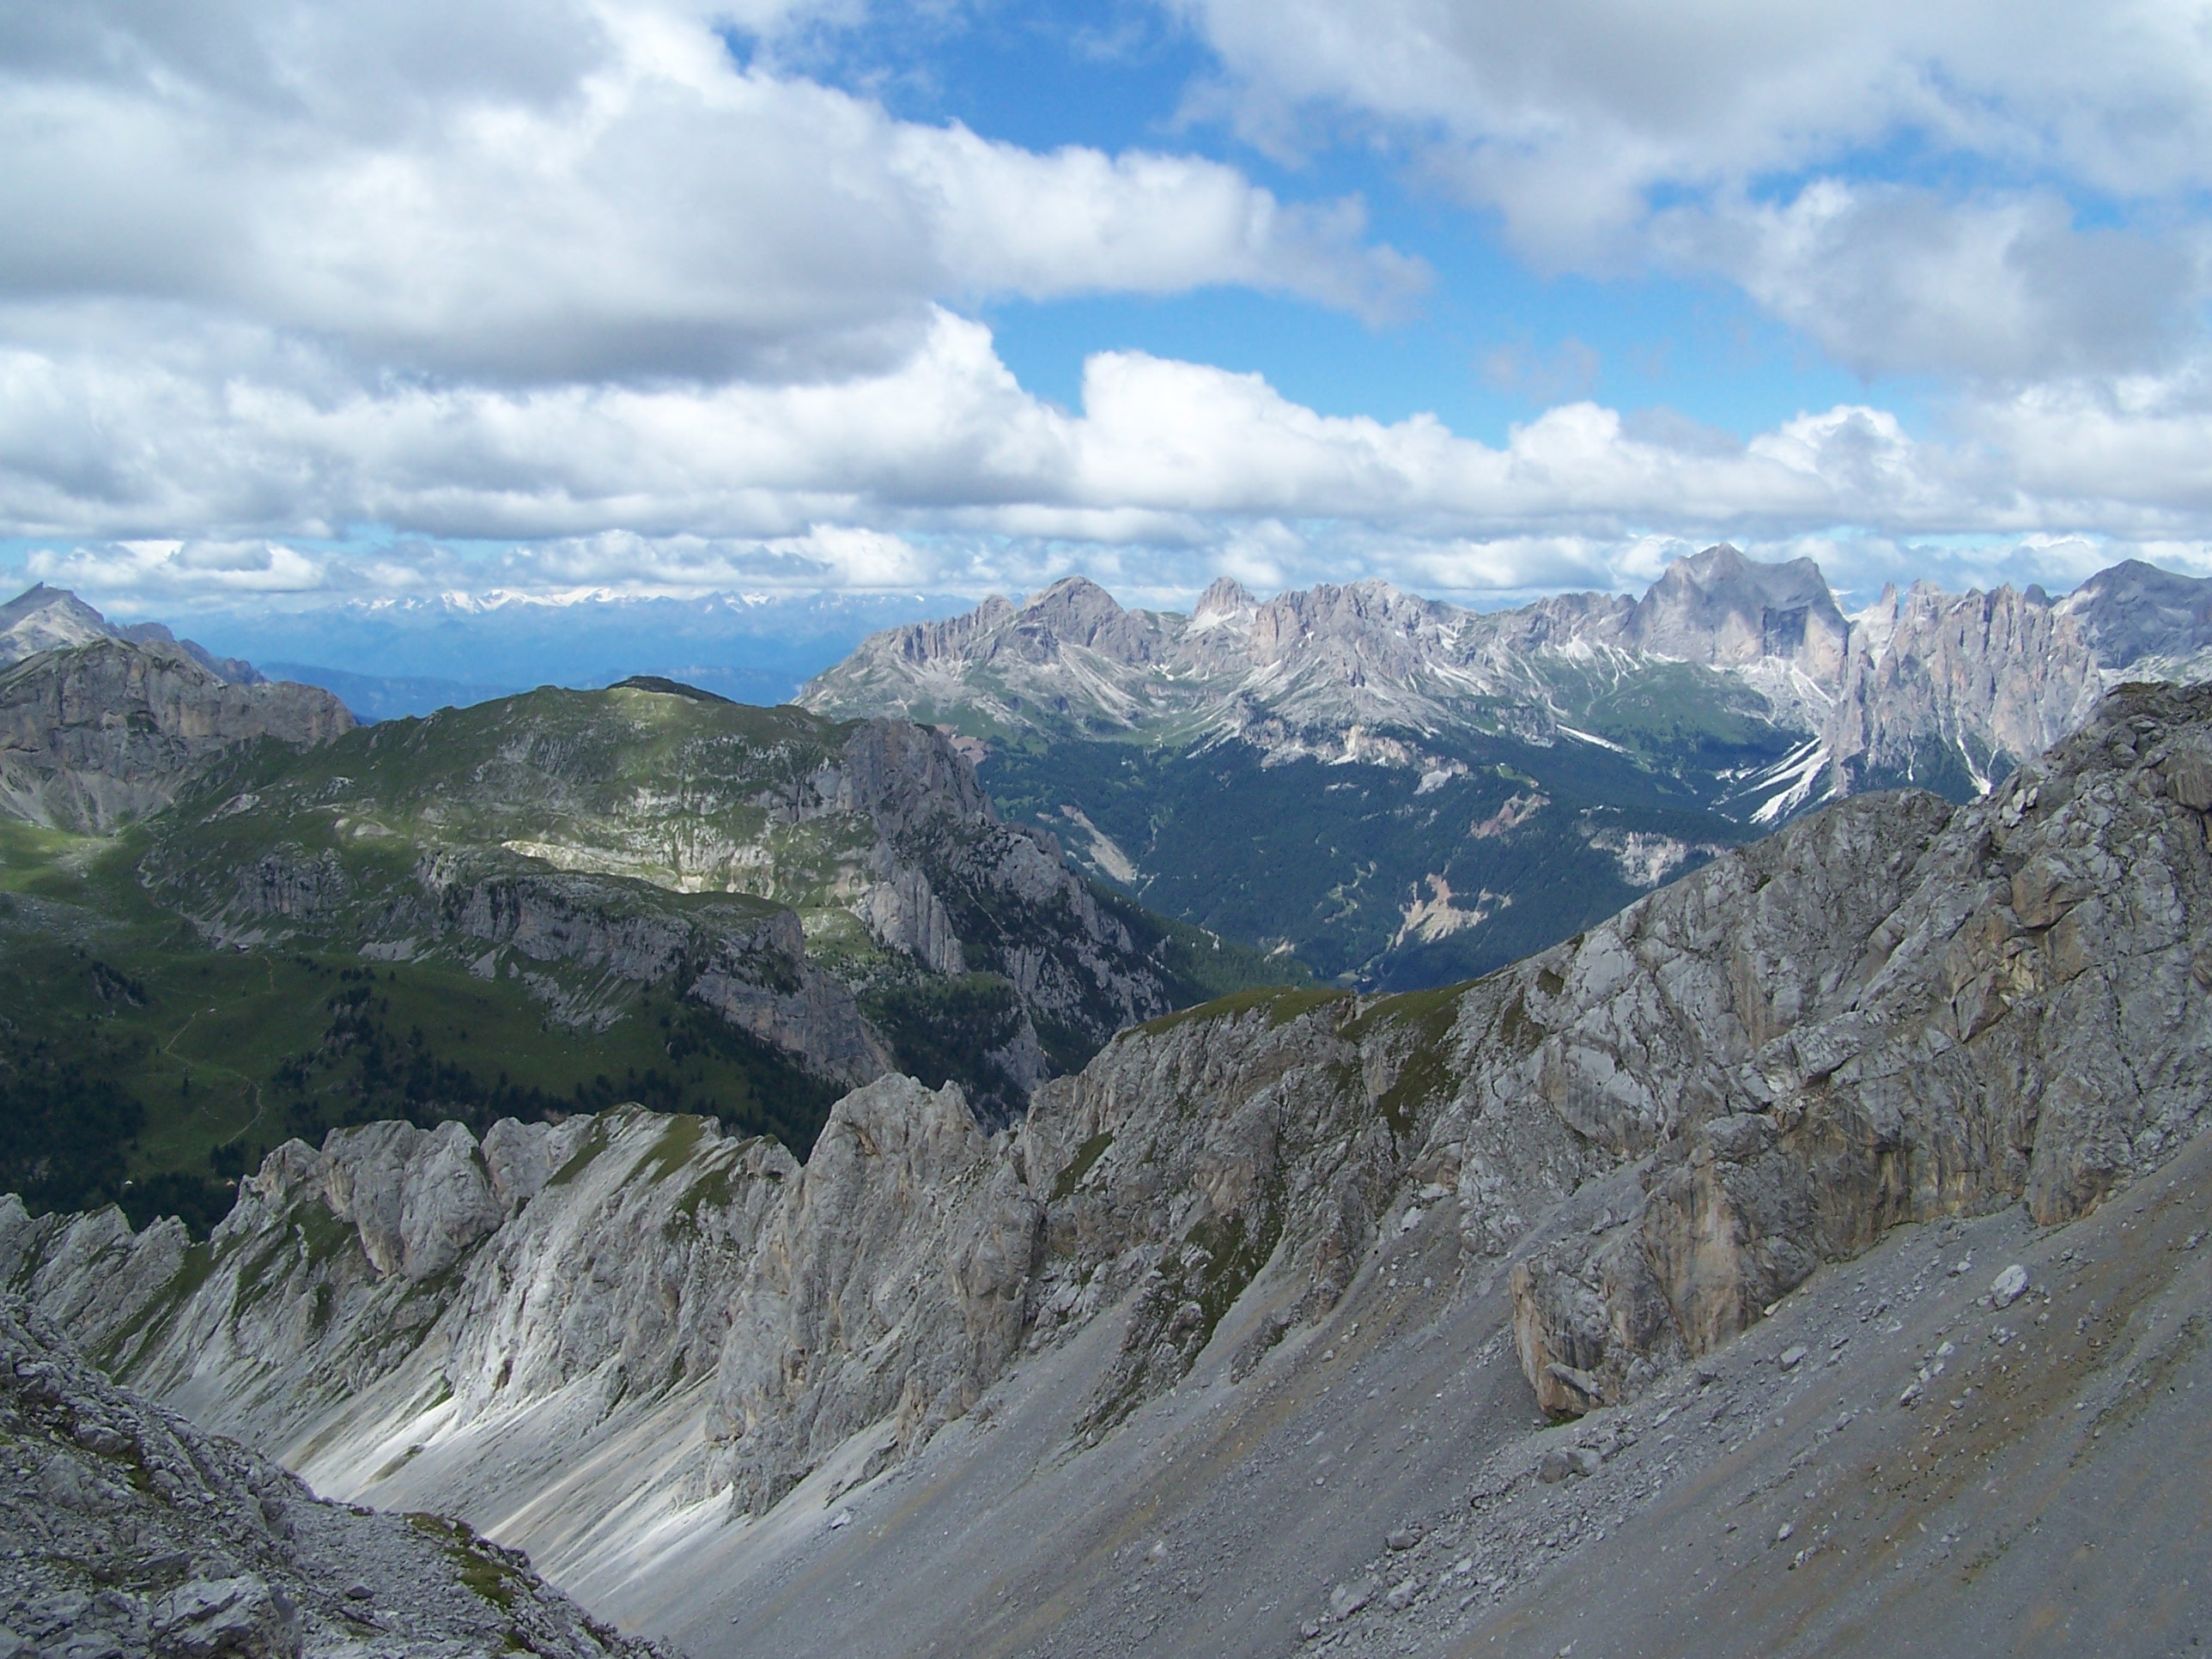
(2189, 778)
(1347, 1598)
(2009, 1286)
(1404, 1538)
(1402, 1594)
(1792, 1358)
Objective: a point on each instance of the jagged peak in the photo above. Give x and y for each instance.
(38, 597)
(1074, 607)
(1225, 598)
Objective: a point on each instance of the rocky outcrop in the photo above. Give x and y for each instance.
(135, 1532)
(891, 1290)
(2003, 1002)
(96, 734)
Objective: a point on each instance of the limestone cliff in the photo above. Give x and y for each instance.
(94, 734)
(1948, 691)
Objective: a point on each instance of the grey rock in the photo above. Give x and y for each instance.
(1859, 984)
(94, 734)
(1350, 1598)
(2009, 1286)
(190, 1527)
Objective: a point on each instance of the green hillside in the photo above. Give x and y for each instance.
(307, 939)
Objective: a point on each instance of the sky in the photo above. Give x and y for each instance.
(315, 301)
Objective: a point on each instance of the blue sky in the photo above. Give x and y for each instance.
(322, 301)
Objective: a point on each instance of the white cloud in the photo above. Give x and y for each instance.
(1592, 105)
(943, 472)
(1740, 136)
(572, 274)
(1889, 279)
(561, 189)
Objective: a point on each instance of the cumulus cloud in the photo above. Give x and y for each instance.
(943, 471)
(1755, 141)
(1889, 279)
(563, 189)
(672, 317)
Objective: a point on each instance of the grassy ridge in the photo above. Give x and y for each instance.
(139, 1064)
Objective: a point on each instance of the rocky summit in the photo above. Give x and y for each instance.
(1405, 791)
(1809, 1253)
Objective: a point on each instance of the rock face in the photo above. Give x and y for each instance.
(416, 1317)
(1948, 691)
(135, 1533)
(1933, 1012)
(94, 734)
(1631, 1147)
(2145, 623)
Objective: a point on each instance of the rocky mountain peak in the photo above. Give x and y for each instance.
(1727, 612)
(43, 618)
(1225, 602)
(2134, 613)
(95, 733)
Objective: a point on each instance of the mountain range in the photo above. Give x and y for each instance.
(229, 914)
(1404, 792)
(1809, 1252)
